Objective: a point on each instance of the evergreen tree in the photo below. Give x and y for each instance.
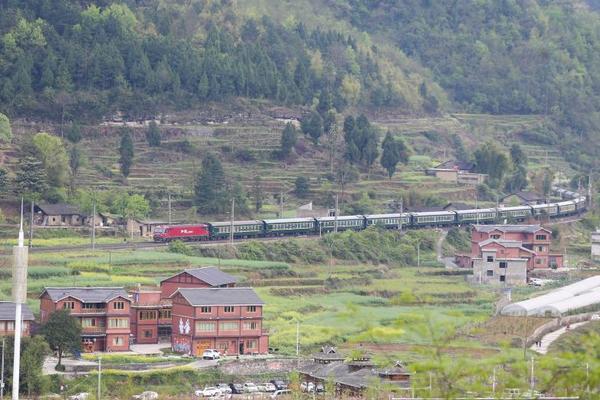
(257, 193)
(63, 333)
(74, 133)
(518, 156)
(210, 187)
(5, 130)
(390, 156)
(302, 187)
(153, 134)
(75, 162)
(288, 140)
(31, 180)
(3, 180)
(313, 126)
(491, 160)
(126, 152)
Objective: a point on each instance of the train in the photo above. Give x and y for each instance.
(571, 203)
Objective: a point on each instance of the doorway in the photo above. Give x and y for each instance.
(241, 347)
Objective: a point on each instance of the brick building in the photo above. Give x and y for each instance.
(151, 308)
(7, 319)
(227, 319)
(103, 312)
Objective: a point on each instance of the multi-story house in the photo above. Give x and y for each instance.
(151, 308)
(103, 312)
(534, 238)
(7, 319)
(227, 319)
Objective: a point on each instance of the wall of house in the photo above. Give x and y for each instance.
(182, 280)
(515, 272)
(7, 328)
(447, 176)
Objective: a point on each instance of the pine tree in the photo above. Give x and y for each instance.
(313, 126)
(210, 187)
(153, 134)
(288, 140)
(257, 193)
(390, 156)
(31, 179)
(74, 133)
(126, 153)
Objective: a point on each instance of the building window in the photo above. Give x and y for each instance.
(205, 309)
(250, 325)
(540, 237)
(502, 278)
(538, 260)
(88, 322)
(228, 309)
(87, 306)
(251, 308)
(503, 264)
(490, 272)
(147, 334)
(162, 314)
(10, 326)
(117, 341)
(119, 305)
(540, 248)
(147, 315)
(205, 326)
(223, 346)
(69, 305)
(495, 236)
(252, 345)
(490, 258)
(229, 326)
(118, 322)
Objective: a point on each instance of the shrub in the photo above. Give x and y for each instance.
(88, 266)
(179, 247)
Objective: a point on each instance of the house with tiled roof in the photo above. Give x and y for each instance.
(103, 313)
(228, 319)
(60, 214)
(7, 319)
(457, 171)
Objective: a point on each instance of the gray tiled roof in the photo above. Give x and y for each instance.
(508, 228)
(211, 275)
(86, 294)
(220, 296)
(506, 243)
(58, 209)
(7, 312)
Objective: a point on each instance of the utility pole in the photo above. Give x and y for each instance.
(335, 216)
(232, 218)
(31, 226)
(169, 208)
(280, 204)
(94, 227)
(2, 371)
(99, 376)
(297, 339)
(494, 382)
(19, 294)
(532, 373)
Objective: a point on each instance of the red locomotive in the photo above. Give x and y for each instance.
(181, 232)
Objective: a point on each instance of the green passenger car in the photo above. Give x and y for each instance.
(241, 229)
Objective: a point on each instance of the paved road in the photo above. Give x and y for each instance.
(549, 338)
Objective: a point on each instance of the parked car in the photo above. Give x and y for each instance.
(250, 387)
(208, 391)
(211, 354)
(307, 387)
(281, 393)
(224, 388)
(595, 317)
(279, 384)
(80, 396)
(267, 387)
(147, 395)
(319, 388)
(236, 388)
(536, 282)
(532, 394)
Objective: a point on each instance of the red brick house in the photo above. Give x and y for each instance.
(531, 242)
(196, 278)
(103, 312)
(151, 308)
(7, 319)
(227, 319)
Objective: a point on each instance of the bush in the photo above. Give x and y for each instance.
(179, 247)
(88, 266)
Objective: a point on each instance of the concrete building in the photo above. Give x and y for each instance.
(459, 172)
(7, 319)
(596, 245)
(103, 312)
(502, 263)
(227, 319)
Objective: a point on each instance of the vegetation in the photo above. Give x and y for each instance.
(62, 332)
(126, 152)
(33, 352)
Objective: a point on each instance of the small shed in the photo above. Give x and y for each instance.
(59, 214)
(523, 198)
(143, 227)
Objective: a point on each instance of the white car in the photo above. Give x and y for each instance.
(595, 317)
(80, 396)
(147, 395)
(250, 387)
(267, 387)
(224, 388)
(209, 391)
(211, 354)
(308, 387)
(281, 393)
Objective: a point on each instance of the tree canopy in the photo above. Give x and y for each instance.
(62, 332)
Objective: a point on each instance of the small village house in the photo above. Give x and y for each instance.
(143, 227)
(7, 319)
(522, 198)
(58, 215)
(456, 171)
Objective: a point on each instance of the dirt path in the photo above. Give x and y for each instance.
(549, 338)
(439, 251)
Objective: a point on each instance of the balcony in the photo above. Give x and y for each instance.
(93, 330)
(89, 311)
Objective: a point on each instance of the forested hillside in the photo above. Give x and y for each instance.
(81, 59)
